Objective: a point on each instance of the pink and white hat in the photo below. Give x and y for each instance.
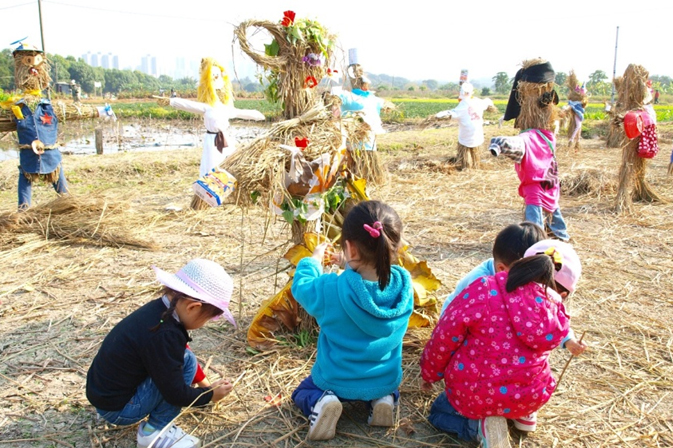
(571, 268)
(203, 280)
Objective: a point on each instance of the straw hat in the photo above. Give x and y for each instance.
(571, 268)
(203, 280)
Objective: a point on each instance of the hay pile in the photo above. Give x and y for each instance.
(588, 182)
(77, 220)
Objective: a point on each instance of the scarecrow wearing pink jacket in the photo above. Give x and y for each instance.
(492, 345)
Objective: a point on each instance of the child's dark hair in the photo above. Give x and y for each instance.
(361, 227)
(538, 268)
(174, 298)
(512, 242)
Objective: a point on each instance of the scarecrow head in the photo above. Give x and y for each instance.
(31, 70)
(466, 91)
(214, 84)
(633, 90)
(532, 101)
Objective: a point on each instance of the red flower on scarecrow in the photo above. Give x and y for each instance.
(301, 142)
(288, 18)
(310, 82)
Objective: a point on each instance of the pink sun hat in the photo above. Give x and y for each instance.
(203, 280)
(571, 268)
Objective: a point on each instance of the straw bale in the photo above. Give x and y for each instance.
(588, 182)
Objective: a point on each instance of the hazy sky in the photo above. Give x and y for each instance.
(418, 39)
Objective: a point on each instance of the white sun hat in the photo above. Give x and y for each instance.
(466, 91)
(203, 280)
(571, 267)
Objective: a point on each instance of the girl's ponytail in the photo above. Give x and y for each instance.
(538, 268)
(383, 261)
(174, 297)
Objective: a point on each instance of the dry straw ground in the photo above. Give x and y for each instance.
(59, 299)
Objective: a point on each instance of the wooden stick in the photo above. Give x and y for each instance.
(568, 362)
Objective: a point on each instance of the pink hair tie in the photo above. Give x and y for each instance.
(374, 230)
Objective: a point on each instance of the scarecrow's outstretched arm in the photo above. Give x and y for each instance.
(512, 147)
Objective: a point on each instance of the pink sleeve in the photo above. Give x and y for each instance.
(450, 333)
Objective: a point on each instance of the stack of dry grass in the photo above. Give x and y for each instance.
(78, 220)
(588, 182)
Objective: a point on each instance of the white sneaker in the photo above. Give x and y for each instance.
(493, 432)
(527, 423)
(381, 413)
(173, 437)
(324, 417)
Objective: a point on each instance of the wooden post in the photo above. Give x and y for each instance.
(99, 140)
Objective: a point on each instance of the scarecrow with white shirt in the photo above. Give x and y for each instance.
(470, 116)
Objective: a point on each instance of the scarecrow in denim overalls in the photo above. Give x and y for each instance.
(37, 124)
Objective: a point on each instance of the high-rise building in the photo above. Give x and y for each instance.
(115, 62)
(106, 61)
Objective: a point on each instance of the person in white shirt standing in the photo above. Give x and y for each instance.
(470, 116)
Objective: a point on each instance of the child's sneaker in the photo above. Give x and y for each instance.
(493, 432)
(527, 423)
(173, 437)
(381, 413)
(324, 417)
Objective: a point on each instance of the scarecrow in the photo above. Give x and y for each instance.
(363, 102)
(532, 103)
(470, 116)
(577, 103)
(215, 102)
(300, 168)
(637, 123)
(36, 120)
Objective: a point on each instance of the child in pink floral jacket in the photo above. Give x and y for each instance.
(491, 346)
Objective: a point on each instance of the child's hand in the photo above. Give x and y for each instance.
(319, 253)
(425, 386)
(336, 257)
(575, 347)
(221, 389)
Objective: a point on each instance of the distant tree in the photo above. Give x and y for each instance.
(83, 74)
(485, 91)
(411, 88)
(450, 87)
(119, 80)
(431, 84)
(6, 70)
(502, 82)
(165, 81)
(560, 78)
(596, 79)
(422, 88)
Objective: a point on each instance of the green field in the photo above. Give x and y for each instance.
(406, 109)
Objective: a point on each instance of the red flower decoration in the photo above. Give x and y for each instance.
(288, 18)
(310, 82)
(301, 142)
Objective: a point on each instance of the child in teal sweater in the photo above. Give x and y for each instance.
(363, 315)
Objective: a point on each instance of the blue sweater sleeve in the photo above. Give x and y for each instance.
(309, 286)
(485, 268)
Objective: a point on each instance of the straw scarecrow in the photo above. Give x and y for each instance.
(577, 103)
(36, 120)
(470, 116)
(215, 102)
(532, 103)
(299, 167)
(639, 131)
(361, 102)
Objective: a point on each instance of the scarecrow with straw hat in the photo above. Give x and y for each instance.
(215, 101)
(578, 99)
(533, 105)
(470, 116)
(36, 120)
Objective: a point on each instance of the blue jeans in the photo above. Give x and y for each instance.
(149, 401)
(26, 187)
(445, 418)
(536, 214)
(307, 394)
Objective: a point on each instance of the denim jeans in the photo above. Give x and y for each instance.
(536, 214)
(26, 187)
(307, 394)
(445, 418)
(149, 401)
